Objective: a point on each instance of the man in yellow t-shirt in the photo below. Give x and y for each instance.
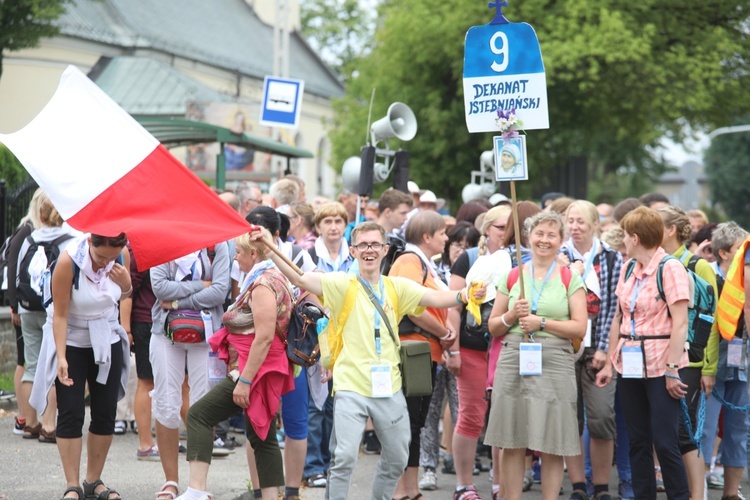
(367, 382)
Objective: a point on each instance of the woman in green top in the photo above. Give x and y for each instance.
(700, 375)
(537, 409)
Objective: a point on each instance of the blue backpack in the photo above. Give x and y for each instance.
(701, 305)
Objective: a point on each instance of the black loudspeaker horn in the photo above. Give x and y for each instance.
(401, 171)
(366, 171)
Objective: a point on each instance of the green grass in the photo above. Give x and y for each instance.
(6, 381)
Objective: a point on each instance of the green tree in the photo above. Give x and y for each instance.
(727, 163)
(24, 22)
(339, 30)
(620, 75)
(11, 169)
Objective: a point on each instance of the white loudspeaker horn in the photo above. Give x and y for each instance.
(400, 122)
(350, 173)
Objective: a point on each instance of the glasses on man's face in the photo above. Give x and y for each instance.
(458, 246)
(377, 246)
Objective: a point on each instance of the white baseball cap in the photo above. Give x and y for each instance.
(412, 187)
(497, 198)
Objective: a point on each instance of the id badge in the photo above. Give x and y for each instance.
(734, 354)
(217, 368)
(530, 362)
(380, 377)
(632, 362)
(587, 338)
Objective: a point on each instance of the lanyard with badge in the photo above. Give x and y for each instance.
(586, 270)
(530, 360)
(380, 373)
(633, 356)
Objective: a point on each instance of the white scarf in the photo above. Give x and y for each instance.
(78, 249)
(411, 247)
(189, 265)
(253, 274)
(591, 280)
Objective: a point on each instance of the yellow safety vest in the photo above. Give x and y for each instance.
(732, 300)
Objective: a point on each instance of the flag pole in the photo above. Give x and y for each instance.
(272, 246)
(516, 232)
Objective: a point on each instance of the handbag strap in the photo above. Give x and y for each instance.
(378, 307)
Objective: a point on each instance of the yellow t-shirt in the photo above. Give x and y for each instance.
(353, 366)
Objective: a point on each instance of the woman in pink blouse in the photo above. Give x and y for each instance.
(647, 350)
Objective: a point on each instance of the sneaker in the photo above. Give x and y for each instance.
(121, 427)
(578, 495)
(18, 427)
(6, 395)
(528, 480)
(316, 481)
(182, 449)
(604, 495)
(222, 448)
(448, 466)
(150, 454)
(714, 481)
(468, 493)
(625, 489)
(429, 480)
(226, 443)
(371, 443)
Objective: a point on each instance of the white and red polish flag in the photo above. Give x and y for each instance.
(106, 174)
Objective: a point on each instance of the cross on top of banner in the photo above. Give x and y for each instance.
(498, 6)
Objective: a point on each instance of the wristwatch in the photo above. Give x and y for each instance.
(542, 324)
(175, 305)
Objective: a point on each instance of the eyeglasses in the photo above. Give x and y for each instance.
(377, 246)
(501, 228)
(458, 246)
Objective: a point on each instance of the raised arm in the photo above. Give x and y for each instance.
(306, 281)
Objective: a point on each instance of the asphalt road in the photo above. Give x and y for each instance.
(32, 471)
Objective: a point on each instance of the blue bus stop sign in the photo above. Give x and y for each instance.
(503, 70)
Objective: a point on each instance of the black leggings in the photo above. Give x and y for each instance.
(70, 400)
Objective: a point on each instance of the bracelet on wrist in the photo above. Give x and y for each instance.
(455, 353)
(676, 377)
(502, 318)
(673, 366)
(130, 290)
(244, 380)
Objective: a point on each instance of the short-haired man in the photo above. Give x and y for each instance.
(393, 205)
(302, 196)
(369, 352)
(250, 196)
(283, 192)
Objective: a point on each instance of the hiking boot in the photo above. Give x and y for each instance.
(448, 466)
(429, 480)
(371, 443)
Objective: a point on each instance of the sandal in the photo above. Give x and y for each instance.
(163, 492)
(74, 489)
(47, 437)
(90, 490)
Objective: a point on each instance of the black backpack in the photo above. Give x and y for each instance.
(302, 336)
(28, 298)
